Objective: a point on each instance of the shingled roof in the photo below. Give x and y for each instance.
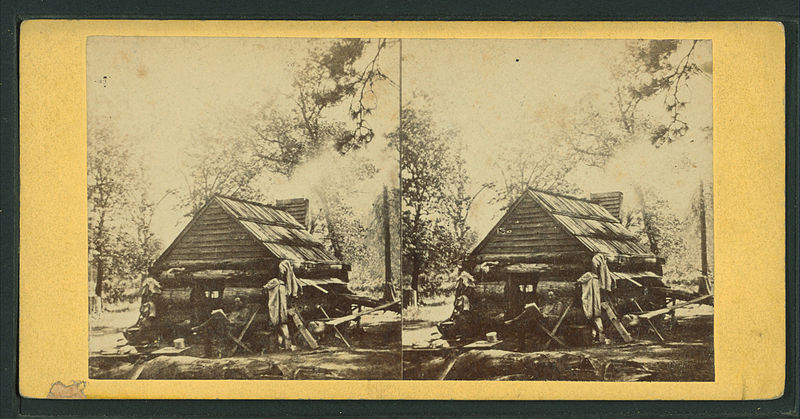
(277, 230)
(546, 222)
(229, 228)
(590, 223)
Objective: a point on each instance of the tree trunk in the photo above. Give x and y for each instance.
(98, 287)
(703, 238)
(333, 235)
(647, 221)
(388, 293)
(415, 281)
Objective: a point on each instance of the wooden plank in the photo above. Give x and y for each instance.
(482, 344)
(231, 227)
(504, 250)
(240, 343)
(535, 236)
(230, 246)
(298, 321)
(651, 314)
(219, 238)
(558, 324)
(215, 223)
(340, 320)
(136, 371)
(210, 217)
(336, 329)
(219, 254)
(542, 244)
(533, 257)
(528, 247)
(247, 326)
(649, 322)
(615, 321)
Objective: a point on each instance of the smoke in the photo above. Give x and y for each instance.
(360, 176)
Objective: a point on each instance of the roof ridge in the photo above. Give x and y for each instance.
(247, 201)
(560, 195)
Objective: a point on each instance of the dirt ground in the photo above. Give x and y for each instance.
(375, 354)
(687, 354)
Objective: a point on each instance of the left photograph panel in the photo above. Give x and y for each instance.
(243, 208)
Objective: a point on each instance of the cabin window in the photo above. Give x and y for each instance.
(212, 294)
(527, 288)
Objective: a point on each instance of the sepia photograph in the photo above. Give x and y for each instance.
(396, 210)
(243, 208)
(557, 210)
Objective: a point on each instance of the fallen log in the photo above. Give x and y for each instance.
(497, 364)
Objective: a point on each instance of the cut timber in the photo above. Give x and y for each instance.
(246, 326)
(137, 371)
(615, 321)
(336, 329)
(298, 321)
(650, 323)
(340, 320)
(651, 314)
(360, 300)
(240, 343)
(558, 324)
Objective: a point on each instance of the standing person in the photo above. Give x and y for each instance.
(593, 286)
(277, 291)
(589, 284)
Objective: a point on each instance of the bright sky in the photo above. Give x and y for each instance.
(163, 93)
(496, 91)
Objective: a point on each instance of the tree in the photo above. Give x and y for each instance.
(426, 168)
(144, 246)
(543, 167)
(108, 194)
(331, 75)
(121, 242)
(649, 96)
(223, 166)
(334, 73)
(284, 141)
(456, 207)
(652, 68)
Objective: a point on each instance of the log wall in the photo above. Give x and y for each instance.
(529, 229)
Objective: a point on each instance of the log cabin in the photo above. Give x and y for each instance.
(545, 241)
(231, 248)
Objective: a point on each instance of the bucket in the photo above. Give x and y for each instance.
(179, 343)
(491, 337)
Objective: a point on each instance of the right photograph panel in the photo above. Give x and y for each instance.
(557, 210)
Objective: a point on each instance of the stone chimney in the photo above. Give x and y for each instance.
(611, 201)
(297, 208)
